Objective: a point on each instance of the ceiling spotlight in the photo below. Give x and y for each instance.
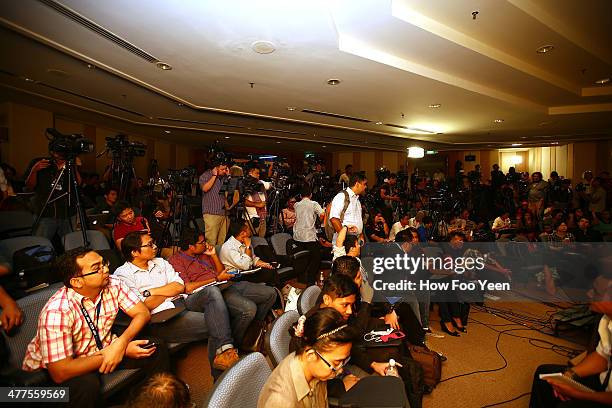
(164, 66)
(150, 117)
(517, 144)
(226, 137)
(498, 120)
(91, 66)
(167, 131)
(554, 143)
(323, 146)
(602, 81)
(28, 79)
(333, 81)
(290, 108)
(545, 48)
(379, 123)
(263, 47)
(180, 104)
(435, 105)
(277, 142)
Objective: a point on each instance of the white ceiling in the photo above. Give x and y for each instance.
(394, 58)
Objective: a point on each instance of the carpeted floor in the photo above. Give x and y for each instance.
(471, 352)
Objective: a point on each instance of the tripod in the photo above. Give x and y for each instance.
(275, 215)
(72, 193)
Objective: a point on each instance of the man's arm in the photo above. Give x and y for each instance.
(593, 364)
(11, 315)
(169, 290)
(69, 367)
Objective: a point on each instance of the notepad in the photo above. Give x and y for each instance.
(208, 285)
(566, 380)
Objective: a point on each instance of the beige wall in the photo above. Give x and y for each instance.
(27, 140)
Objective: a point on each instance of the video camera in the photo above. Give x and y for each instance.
(68, 146)
(181, 179)
(120, 145)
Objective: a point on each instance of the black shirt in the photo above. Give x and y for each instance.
(44, 182)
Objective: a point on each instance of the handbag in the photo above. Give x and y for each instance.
(254, 337)
(431, 363)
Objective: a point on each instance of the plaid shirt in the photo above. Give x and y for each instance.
(63, 331)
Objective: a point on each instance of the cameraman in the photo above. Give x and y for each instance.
(305, 233)
(255, 202)
(387, 198)
(213, 204)
(42, 173)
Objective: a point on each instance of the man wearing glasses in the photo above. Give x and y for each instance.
(74, 342)
(160, 287)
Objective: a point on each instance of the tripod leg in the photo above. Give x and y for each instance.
(77, 200)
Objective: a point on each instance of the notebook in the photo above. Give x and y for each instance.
(566, 380)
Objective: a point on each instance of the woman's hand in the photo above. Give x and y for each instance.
(392, 320)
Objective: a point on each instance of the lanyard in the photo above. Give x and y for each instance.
(194, 259)
(92, 327)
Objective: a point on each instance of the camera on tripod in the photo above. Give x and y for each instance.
(181, 179)
(120, 145)
(68, 146)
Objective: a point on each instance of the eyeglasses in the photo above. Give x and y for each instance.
(151, 244)
(335, 370)
(105, 266)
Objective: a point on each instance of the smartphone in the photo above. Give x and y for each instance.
(148, 345)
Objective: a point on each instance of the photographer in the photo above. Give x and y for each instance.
(305, 233)
(377, 229)
(255, 201)
(213, 204)
(388, 197)
(42, 174)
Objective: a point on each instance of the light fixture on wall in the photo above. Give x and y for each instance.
(516, 160)
(416, 152)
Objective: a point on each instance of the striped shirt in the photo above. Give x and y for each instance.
(63, 331)
(212, 202)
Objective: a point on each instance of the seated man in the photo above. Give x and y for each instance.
(402, 224)
(237, 254)
(74, 342)
(198, 265)
(127, 222)
(593, 371)
(160, 287)
(501, 223)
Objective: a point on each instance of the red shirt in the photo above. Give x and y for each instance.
(122, 229)
(63, 331)
(193, 269)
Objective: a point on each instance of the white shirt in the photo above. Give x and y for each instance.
(501, 224)
(252, 211)
(413, 223)
(306, 214)
(158, 273)
(233, 255)
(605, 345)
(397, 227)
(352, 216)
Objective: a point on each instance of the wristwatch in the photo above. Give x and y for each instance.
(146, 293)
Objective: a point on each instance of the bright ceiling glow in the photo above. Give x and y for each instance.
(416, 152)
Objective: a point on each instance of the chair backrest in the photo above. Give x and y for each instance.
(16, 223)
(11, 245)
(31, 307)
(279, 242)
(257, 241)
(308, 298)
(278, 337)
(74, 239)
(241, 384)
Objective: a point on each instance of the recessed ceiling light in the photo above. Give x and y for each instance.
(263, 47)
(523, 137)
(167, 131)
(498, 120)
(180, 104)
(333, 81)
(91, 66)
(517, 144)
(150, 117)
(323, 146)
(28, 79)
(291, 108)
(435, 105)
(545, 48)
(277, 142)
(226, 137)
(554, 143)
(379, 123)
(164, 66)
(602, 81)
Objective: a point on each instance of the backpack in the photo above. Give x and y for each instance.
(431, 363)
(33, 265)
(329, 228)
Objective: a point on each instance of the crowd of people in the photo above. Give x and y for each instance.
(212, 283)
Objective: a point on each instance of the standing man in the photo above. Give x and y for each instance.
(346, 208)
(213, 204)
(255, 202)
(345, 177)
(305, 233)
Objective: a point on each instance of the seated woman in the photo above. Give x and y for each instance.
(342, 294)
(324, 343)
